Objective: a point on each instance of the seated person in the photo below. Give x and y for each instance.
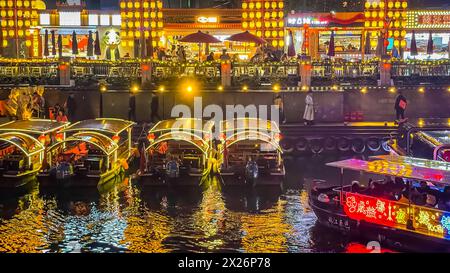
(444, 199)
(431, 194)
(357, 188)
(375, 189)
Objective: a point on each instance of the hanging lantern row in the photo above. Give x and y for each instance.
(265, 19)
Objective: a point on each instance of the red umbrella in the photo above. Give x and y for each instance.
(200, 37)
(246, 37)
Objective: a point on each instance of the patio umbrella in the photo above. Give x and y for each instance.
(246, 37)
(200, 38)
(74, 43)
(413, 45)
(97, 49)
(60, 46)
(291, 48)
(331, 49)
(46, 52)
(367, 47)
(430, 44)
(53, 43)
(90, 45)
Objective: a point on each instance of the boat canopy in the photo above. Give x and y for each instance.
(102, 142)
(253, 136)
(33, 126)
(101, 125)
(416, 162)
(395, 166)
(193, 139)
(437, 138)
(248, 124)
(192, 125)
(25, 143)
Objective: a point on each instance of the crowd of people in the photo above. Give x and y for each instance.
(397, 190)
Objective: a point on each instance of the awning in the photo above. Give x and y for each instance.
(103, 125)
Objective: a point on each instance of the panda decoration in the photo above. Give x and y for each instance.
(112, 42)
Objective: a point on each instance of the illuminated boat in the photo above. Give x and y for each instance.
(391, 219)
(22, 148)
(424, 138)
(251, 153)
(177, 153)
(94, 150)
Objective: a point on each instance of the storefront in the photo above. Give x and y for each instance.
(312, 33)
(424, 22)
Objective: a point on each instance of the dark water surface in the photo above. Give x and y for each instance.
(122, 216)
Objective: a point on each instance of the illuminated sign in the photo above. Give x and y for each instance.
(204, 20)
(300, 21)
(428, 19)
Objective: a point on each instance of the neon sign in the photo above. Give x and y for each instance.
(300, 21)
(428, 19)
(427, 221)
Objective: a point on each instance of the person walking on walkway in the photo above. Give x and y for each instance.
(278, 101)
(308, 116)
(71, 107)
(400, 107)
(154, 107)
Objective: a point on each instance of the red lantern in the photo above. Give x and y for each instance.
(151, 137)
(116, 138)
(62, 67)
(387, 66)
(42, 139)
(277, 137)
(222, 137)
(145, 67)
(59, 137)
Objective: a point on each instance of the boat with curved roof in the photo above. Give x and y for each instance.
(177, 152)
(96, 150)
(250, 152)
(22, 148)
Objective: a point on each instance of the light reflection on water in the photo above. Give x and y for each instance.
(123, 217)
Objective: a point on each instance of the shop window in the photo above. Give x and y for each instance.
(105, 20)
(93, 19)
(44, 19)
(70, 19)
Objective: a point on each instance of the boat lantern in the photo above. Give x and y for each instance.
(207, 136)
(222, 137)
(277, 137)
(42, 139)
(151, 137)
(116, 138)
(59, 137)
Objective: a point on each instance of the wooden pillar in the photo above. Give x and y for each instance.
(146, 68)
(64, 71)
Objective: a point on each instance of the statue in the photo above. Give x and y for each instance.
(20, 102)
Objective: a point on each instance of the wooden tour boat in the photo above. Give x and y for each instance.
(177, 153)
(95, 150)
(22, 149)
(411, 213)
(250, 152)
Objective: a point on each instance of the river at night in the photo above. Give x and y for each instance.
(122, 216)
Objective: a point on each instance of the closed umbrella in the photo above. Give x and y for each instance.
(53, 43)
(331, 49)
(60, 46)
(137, 50)
(97, 49)
(46, 52)
(380, 45)
(90, 45)
(413, 45)
(74, 43)
(291, 48)
(367, 47)
(430, 44)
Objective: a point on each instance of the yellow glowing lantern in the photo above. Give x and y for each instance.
(130, 24)
(404, 5)
(154, 43)
(10, 13)
(281, 5)
(153, 33)
(267, 24)
(26, 4)
(374, 24)
(374, 14)
(130, 34)
(267, 5)
(258, 24)
(275, 43)
(404, 23)
(251, 5)
(373, 43)
(390, 5)
(123, 34)
(403, 33)
(137, 34)
(397, 14)
(382, 5)
(20, 23)
(274, 23)
(390, 33)
(397, 24)
(131, 43)
(130, 15)
(275, 33)
(381, 14)
(267, 34)
(122, 5)
(367, 24)
(396, 34)
(146, 24)
(367, 14)
(367, 5)
(380, 23)
(280, 14)
(2, 4)
(3, 13)
(146, 15)
(130, 5)
(398, 5)
(160, 24)
(252, 24)
(274, 14)
(259, 33)
(20, 33)
(152, 5)
(3, 23)
(153, 14)
(281, 33)
(396, 43)
(10, 4)
(251, 15)
(28, 43)
(123, 43)
(137, 5)
(245, 15)
(403, 43)
(146, 34)
(258, 5)
(374, 5)
(244, 5)
(160, 15)
(244, 24)
(274, 5)
(137, 15)
(5, 43)
(153, 24)
(146, 5)
(11, 33)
